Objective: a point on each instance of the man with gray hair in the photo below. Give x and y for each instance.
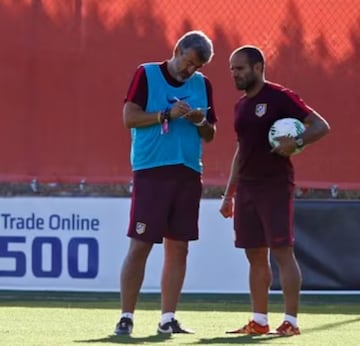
(169, 110)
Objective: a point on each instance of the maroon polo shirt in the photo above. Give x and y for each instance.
(253, 119)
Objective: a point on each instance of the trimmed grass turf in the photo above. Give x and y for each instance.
(47, 318)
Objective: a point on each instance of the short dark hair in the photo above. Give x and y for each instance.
(254, 54)
(198, 41)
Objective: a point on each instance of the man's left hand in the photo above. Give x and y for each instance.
(286, 146)
(194, 116)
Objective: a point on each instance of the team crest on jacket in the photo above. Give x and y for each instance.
(260, 109)
(140, 227)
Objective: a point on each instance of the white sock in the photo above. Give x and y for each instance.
(167, 317)
(291, 319)
(261, 319)
(127, 315)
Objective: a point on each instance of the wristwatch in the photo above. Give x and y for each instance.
(299, 142)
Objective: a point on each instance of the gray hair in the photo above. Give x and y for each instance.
(198, 41)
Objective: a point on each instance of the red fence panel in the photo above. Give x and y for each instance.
(65, 67)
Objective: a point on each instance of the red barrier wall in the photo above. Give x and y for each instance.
(65, 68)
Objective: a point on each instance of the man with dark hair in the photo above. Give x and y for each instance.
(169, 109)
(262, 183)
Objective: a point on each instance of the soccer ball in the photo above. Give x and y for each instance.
(290, 127)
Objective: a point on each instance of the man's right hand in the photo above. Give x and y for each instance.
(227, 207)
(179, 109)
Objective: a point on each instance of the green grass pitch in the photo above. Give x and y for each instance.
(47, 318)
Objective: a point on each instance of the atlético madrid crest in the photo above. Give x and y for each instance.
(140, 227)
(260, 109)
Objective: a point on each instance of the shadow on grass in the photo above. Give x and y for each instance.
(332, 325)
(258, 339)
(242, 339)
(127, 339)
(233, 339)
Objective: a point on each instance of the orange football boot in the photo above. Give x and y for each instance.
(252, 328)
(286, 329)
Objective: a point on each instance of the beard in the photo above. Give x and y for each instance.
(245, 84)
(182, 76)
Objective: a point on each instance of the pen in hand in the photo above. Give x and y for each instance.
(201, 109)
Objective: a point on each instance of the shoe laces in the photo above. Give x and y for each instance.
(125, 322)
